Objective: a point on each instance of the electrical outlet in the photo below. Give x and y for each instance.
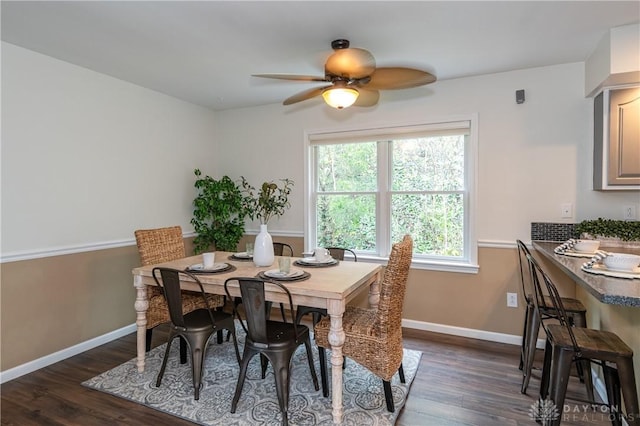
(630, 212)
(566, 210)
(512, 300)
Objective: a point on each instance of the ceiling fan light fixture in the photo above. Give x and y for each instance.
(340, 97)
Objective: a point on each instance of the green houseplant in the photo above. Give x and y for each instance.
(218, 214)
(270, 201)
(609, 228)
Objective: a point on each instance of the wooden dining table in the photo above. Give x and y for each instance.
(327, 287)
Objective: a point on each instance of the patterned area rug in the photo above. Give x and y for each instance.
(364, 402)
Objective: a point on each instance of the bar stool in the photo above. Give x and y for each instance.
(575, 310)
(566, 344)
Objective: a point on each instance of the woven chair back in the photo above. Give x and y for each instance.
(393, 287)
(160, 245)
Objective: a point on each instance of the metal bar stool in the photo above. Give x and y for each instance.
(566, 344)
(575, 310)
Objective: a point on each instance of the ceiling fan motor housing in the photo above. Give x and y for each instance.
(340, 44)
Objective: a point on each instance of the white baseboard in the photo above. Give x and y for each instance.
(598, 384)
(45, 361)
(39, 363)
(471, 333)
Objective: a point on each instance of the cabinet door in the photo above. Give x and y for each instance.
(624, 137)
(617, 139)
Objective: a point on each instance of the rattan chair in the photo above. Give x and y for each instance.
(163, 245)
(275, 341)
(575, 310)
(373, 337)
(195, 327)
(566, 344)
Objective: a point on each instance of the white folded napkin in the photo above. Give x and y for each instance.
(597, 257)
(567, 245)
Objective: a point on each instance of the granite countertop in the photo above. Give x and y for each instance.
(613, 291)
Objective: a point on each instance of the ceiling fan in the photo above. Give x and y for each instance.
(354, 78)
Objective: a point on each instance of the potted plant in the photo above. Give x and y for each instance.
(269, 202)
(611, 232)
(218, 215)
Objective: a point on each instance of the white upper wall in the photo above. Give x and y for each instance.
(87, 158)
(533, 157)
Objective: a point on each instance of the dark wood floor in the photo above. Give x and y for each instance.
(459, 382)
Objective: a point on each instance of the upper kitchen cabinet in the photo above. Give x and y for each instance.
(617, 139)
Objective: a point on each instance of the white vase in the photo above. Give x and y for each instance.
(263, 248)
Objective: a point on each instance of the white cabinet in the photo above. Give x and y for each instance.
(616, 152)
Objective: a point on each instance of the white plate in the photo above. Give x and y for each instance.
(635, 270)
(275, 273)
(314, 261)
(243, 255)
(602, 270)
(214, 268)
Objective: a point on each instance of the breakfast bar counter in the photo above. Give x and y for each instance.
(613, 291)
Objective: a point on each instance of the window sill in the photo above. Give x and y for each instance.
(458, 267)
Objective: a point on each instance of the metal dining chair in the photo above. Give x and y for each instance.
(195, 327)
(274, 341)
(161, 245)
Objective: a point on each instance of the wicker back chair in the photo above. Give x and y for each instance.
(373, 337)
(163, 245)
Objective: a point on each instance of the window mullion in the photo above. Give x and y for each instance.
(383, 205)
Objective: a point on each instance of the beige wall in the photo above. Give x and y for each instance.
(51, 304)
(82, 296)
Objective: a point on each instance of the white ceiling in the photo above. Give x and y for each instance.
(204, 52)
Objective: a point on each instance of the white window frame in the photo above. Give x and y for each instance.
(468, 263)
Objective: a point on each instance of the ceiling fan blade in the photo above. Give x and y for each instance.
(303, 96)
(350, 63)
(367, 98)
(399, 78)
(291, 77)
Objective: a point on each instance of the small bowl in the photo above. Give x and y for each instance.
(586, 246)
(621, 261)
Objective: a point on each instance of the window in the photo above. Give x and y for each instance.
(367, 188)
